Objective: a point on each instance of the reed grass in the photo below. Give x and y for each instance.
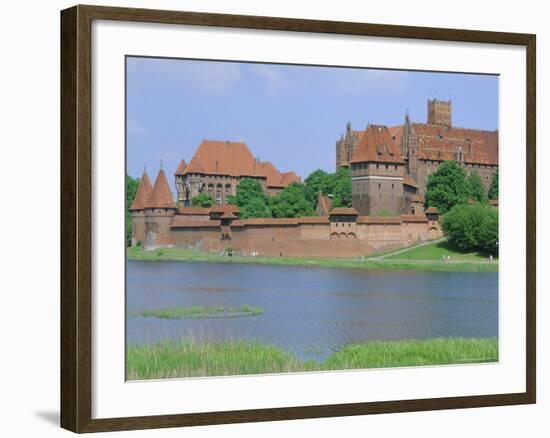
(189, 358)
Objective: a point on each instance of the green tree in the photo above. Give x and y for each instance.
(317, 181)
(341, 190)
(447, 187)
(337, 184)
(251, 199)
(291, 202)
(476, 191)
(132, 185)
(493, 189)
(472, 228)
(202, 200)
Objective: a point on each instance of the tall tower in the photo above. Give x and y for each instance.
(439, 113)
(410, 147)
(137, 208)
(160, 209)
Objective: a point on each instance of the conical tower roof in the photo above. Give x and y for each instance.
(143, 192)
(161, 196)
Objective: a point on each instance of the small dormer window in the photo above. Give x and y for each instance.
(440, 136)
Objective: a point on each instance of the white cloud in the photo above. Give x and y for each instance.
(209, 77)
(362, 81)
(276, 78)
(332, 81)
(135, 128)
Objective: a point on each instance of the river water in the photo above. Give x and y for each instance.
(310, 312)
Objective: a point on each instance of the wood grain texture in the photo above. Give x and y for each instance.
(76, 223)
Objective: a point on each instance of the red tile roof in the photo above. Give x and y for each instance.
(417, 198)
(194, 211)
(223, 208)
(324, 204)
(344, 211)
(143, 192)
(290, 177)
(224, 158)
(215, 157)
(439, 143)
(376, 144)
(229, 215)
(409, 181)
(432, 210)
(181, 168)
(274, 177)
(161, 196)
(493, 202)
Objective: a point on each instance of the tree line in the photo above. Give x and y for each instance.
(469, 222)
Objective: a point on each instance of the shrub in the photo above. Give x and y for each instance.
(203, 200)
(472, 228)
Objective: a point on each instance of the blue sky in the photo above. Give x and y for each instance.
(289, 115)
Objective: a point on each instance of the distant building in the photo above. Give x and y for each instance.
(217, 168)
(390, 165)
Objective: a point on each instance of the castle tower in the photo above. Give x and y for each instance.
(137, 209)
(345, 146)
(410, 147)
(181, 188)
(160, 209)
(377, 173)
(439, 113)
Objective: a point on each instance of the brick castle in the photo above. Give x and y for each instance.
(390, 165)
(389, 168)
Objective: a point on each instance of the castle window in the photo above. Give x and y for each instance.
(379, 185)
(396, 167)
(387, 166)
(392, 186)
(377, 165)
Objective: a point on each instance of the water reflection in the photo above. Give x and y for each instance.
(311, 311)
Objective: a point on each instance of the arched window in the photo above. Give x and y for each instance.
(219, 193)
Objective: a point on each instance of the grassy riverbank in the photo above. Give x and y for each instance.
(170, 359)
(196, 312)
(410, 259)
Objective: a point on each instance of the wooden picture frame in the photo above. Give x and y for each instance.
(76, 217)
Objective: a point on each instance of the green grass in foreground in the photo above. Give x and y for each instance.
(170, 359)
(194, 255)
(435, 252)
(201, 312)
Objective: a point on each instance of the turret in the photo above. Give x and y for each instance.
(160, 209)
(137, 209)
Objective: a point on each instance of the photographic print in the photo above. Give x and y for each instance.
(297, 218)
